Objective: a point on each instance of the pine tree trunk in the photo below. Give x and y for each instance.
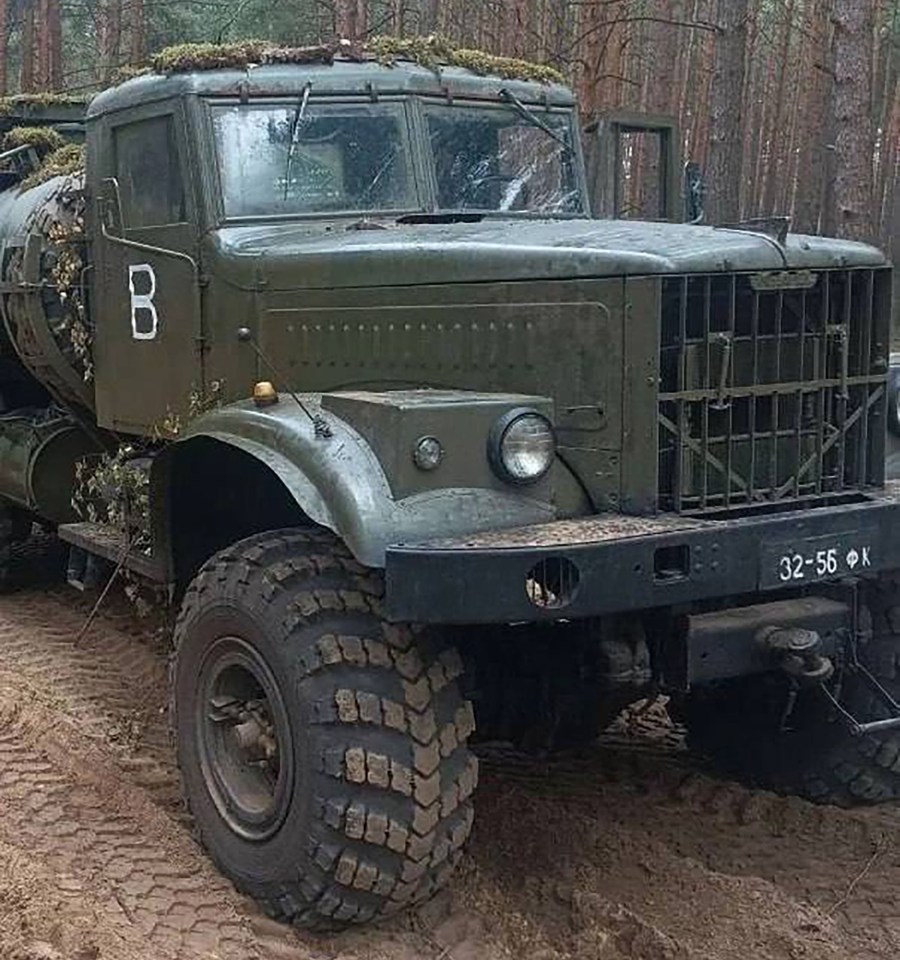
(812, 147)
(42, 44)
(350, 19)
(27, 77)
(4, 46)
(138, 31)
(110, 29)
(54, 46)
(775, 170)
(726, 121)
(854, 140)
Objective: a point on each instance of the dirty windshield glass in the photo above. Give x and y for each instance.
(305, 158)
(496, 159)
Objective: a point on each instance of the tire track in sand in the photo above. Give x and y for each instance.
(617, 854)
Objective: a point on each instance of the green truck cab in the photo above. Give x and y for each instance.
(421, 443)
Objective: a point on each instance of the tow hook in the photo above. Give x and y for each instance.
(797, 650)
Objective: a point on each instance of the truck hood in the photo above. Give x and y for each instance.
(307, 256)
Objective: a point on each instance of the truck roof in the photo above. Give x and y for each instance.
(342, 76)
(40, 110)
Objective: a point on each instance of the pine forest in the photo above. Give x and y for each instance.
(789, 107)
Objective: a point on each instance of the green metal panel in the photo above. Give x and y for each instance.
(148, 352)
(37, 463)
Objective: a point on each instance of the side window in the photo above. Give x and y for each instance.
(149, 173)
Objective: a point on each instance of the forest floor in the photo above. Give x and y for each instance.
(629, 852)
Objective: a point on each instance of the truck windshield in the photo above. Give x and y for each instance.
(308, 158)
(494, 159)
(304, 158)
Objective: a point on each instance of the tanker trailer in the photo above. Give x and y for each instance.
(46, 393)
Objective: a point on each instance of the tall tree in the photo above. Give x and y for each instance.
(814, 157)
(726, 140)
(110, 34)
(4, 45)
(48, 40)
(350, 18)
(138, 29)
(854, 141)
(27, 73)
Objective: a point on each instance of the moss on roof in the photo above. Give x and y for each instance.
(430, 52)
(433, 52)
(10, 105)
(187, 57)
(67, 161)
(43, 139)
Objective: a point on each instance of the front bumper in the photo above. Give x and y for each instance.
(575, 569)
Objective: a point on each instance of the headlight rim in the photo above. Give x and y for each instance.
(499, 429)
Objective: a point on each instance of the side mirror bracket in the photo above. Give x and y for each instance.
(109, 208)
(610, 159)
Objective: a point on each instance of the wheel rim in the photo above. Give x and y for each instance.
(244, 739)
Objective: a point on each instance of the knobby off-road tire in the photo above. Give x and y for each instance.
(15, 527)
(737, 725)
(368, 802)
(7, 534)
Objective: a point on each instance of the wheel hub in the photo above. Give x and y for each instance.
(244, 739)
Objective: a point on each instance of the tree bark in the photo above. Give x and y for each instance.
(350, 19)
(110, 37)
(814, 155)
(778, 135)
(726, 119)
(55, 78)
(42, 44)
(4, 46)
(27, 76)
(854, 136)
(138, 27)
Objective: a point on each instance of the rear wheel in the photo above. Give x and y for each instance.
(15, 527)
(323, 751)
(738, 725)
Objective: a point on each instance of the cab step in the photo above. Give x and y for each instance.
(93, 542)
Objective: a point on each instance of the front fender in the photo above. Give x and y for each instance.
(339, 483)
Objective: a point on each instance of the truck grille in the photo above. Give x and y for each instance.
(773, 388)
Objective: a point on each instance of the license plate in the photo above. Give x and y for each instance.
(793, 563)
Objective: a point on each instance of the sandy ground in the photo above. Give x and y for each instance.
(626, 853)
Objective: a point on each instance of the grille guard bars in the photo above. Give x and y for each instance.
(772, 387)
(576, 569)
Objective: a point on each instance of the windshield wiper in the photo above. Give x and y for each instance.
(534, 119)
(299, 115)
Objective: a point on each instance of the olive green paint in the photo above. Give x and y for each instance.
(564, 311)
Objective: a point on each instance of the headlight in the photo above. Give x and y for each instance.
(521, 446)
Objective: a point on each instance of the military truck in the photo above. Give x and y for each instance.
(418, 442)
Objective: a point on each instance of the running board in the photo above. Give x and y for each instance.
(108, 543)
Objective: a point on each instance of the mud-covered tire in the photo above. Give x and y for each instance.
(7, 534)
(736, 725)
(15, 527)
(379, 805)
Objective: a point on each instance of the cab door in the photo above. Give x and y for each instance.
(146, 290)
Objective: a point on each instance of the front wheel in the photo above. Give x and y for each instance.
(323, 751)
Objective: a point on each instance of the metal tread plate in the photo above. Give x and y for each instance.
(111, 544)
